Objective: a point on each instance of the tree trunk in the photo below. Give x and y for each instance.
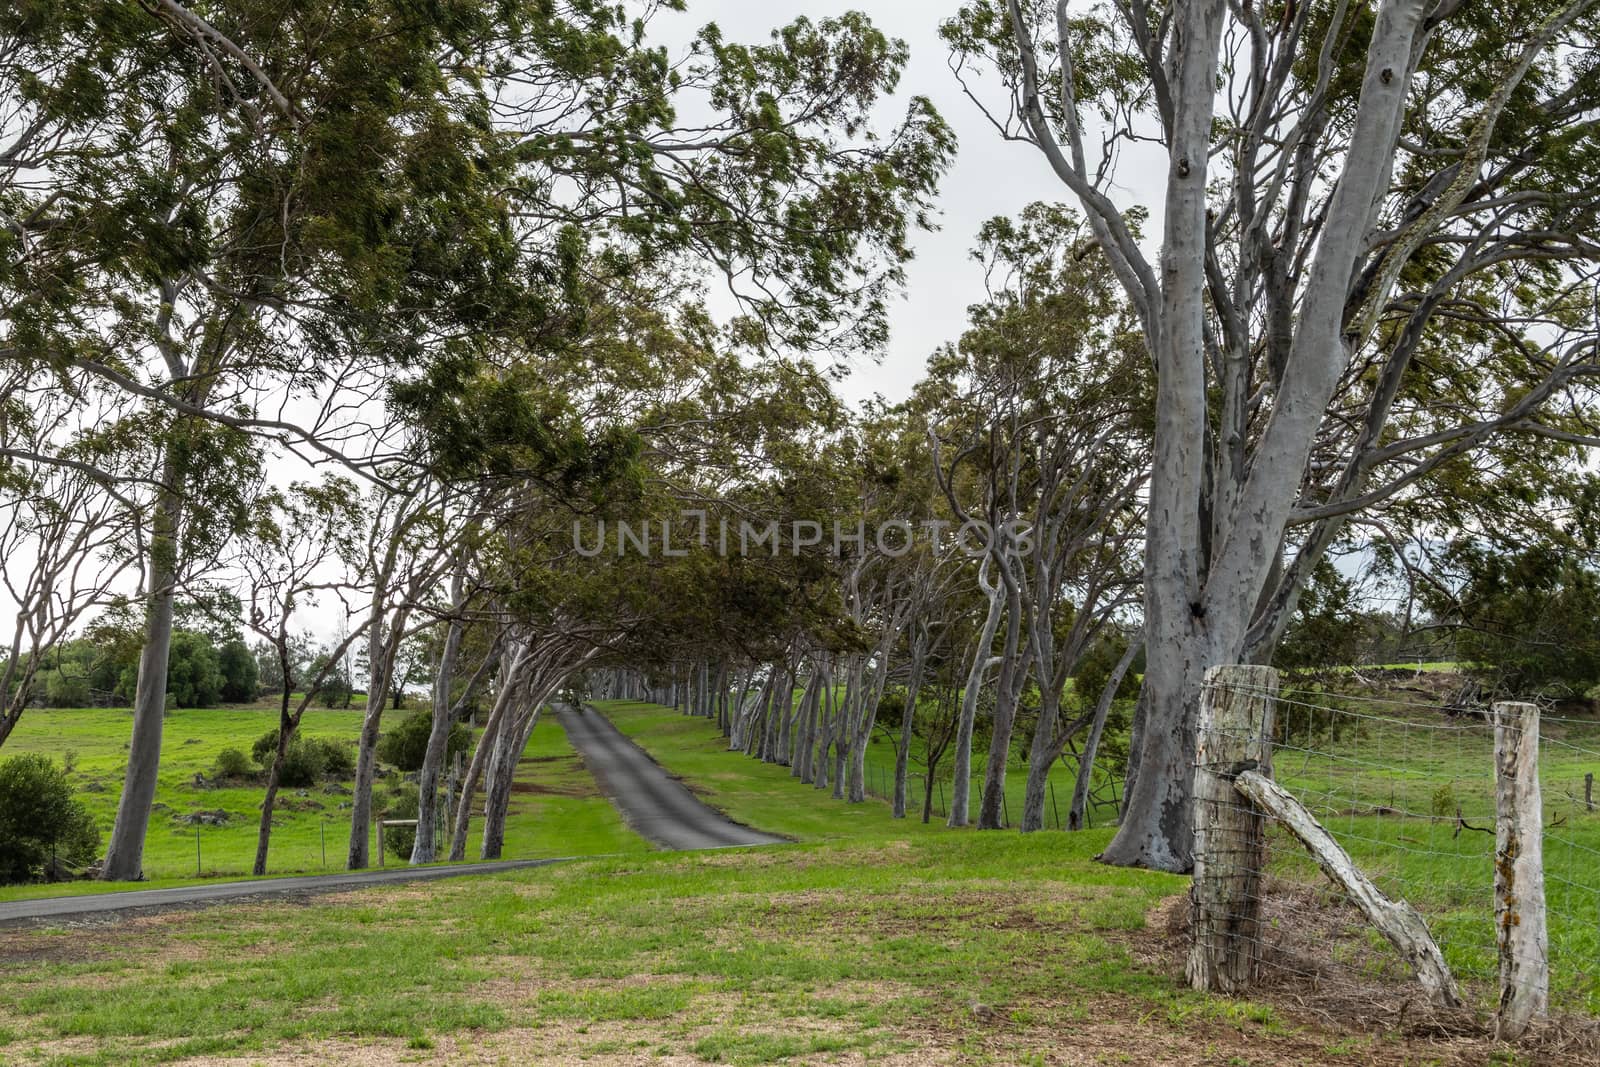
(443, 717)
(866, 719)
(819, 778)
(1041, 757)
(510, 683)
(497, 804)
(961, 787)
(1014, 670)
(799, 758)
(902, 752)
(286, 728)
(1091, 746)
(842, 726)
(381, 651)
(124, 861)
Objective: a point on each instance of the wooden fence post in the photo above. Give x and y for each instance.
(1234, 735)
(1519, 915)
(1588, 791)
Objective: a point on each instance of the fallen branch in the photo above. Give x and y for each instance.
(1396, 920)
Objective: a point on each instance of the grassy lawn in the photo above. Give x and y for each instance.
(556, 810)
(1394, 764)
(870, 940)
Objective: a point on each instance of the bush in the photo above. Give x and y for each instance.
(407, 744)
(42, 828)
(303, 762)
(1444, 801)
(308, 760)
(398, 840)
(231, 763)
(337, 759)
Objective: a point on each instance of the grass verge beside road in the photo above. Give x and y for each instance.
(556, 809)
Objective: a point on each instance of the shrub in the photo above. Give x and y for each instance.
(42, 828)
(407, 744)
(308, 759)
(1444, 800)
(63, 690)
(398, 840)
(231, 763)
(303, 761)
(337, 759)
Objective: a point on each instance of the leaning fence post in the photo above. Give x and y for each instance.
(1235, 726)
(1519, 915)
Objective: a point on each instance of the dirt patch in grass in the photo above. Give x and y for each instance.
(94, 937)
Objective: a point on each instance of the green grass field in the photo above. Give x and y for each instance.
(868, 939)
(1389, 786)
(1410, 767)
(556, 810)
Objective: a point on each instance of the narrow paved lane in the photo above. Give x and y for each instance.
(655, 805)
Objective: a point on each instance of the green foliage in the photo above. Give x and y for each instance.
(1443, 802)
(306, 761)
(1094, 670)
(239, 672)
(1530, 614)
(403, 803)
(338, 761)
(194, 670)
(65, 690)
(232, 763)
(406, 744)
(1329, 628)
(42, 828)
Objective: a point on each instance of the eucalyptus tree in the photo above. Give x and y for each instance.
(299, 543)
(1075, 456)
(66, 541)
(1375, 259)
(975, 436)
(223, 206)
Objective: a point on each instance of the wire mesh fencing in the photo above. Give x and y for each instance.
(1408, 790)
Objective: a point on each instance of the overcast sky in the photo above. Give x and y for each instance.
(990, 176)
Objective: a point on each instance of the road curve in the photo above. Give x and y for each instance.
(16, 911)
(654, 804)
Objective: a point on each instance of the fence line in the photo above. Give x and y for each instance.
(1411, 796)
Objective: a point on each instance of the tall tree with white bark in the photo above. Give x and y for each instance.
(1374, 258)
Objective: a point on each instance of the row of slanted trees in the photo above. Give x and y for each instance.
(346, 310)
(371, 315)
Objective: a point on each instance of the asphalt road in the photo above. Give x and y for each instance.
(654, 804)
(189, 895)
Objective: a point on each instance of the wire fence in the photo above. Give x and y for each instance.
(1408, 788)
